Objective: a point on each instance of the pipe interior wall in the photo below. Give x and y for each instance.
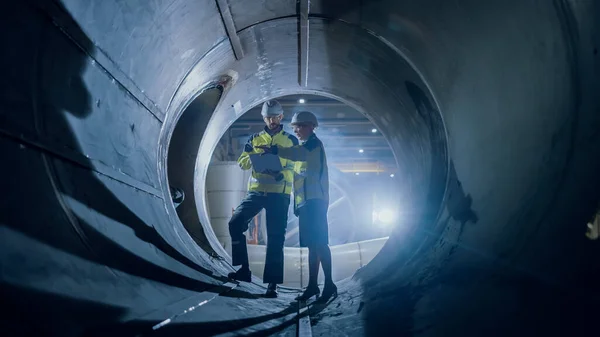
(181, 159)
(490, 106)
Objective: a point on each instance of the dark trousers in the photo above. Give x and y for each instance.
(276, 206)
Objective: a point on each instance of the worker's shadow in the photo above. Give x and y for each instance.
(61, 98)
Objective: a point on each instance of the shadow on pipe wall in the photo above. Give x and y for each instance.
(65, 218)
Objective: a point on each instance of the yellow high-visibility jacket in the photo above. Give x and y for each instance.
(311, 180)
(264, 182)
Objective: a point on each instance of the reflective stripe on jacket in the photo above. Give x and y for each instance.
(263, 182)
(311, 179)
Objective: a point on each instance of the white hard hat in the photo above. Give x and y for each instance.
(271, 109)
(305, 117)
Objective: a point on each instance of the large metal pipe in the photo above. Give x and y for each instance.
(91, 94)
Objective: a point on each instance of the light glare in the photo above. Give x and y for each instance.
(384, 217)
(301, 101)
(387, 216)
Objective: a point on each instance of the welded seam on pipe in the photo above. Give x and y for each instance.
(81, 161)
(60, 19)
(303, 36)
(360, 257)
(227, 18)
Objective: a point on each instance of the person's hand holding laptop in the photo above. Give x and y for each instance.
(267, 163)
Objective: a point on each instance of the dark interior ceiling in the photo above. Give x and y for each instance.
(491, 108)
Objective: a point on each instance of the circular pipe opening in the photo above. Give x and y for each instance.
(400, 107)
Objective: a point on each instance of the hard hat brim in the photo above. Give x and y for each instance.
(304, 123)
(271, 115)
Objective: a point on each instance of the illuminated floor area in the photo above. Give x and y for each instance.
(489, 108)
(346, 259)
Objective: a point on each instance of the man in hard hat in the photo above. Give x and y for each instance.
(268, 190)
(311, 200)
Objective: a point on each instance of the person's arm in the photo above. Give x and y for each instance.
(298, 152)
(290, 165)
(294, 153)
(244, 159)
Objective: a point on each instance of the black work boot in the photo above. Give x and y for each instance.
(243, 274)
(329, 291)
(309, 292)
(271, 290)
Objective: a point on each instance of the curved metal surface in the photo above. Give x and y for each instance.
(91, 95)
(183, 146)
(332, 74)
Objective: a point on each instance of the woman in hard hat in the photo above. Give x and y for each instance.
(311, 200)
